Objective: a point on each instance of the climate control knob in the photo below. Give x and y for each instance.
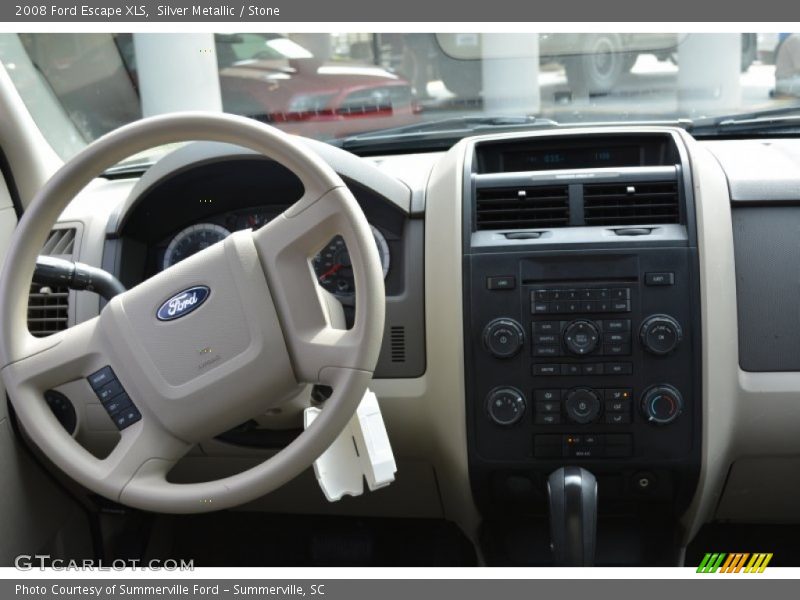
(582, 405)
(505, 405)
(660, 334)
(581, 337)
(503, 337)
(662, 404)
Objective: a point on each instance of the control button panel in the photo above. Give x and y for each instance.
(662, 404)
(660, 334)
(505, 405)
(582, 405)
(501, 282)
(581, 300)
(658, 279)
(583, 445)
(581, 337)
(113, 397)
(570, 369)
(503, 338)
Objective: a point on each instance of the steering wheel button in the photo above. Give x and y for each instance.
(99, 378)
(109, 390)
(118, 404)
(126, 418)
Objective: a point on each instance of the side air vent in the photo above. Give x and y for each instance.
(48, 306)
(631, 203)
(522, 207)
(59, 243)
(397, 342)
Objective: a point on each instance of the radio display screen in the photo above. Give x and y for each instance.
(571, 158)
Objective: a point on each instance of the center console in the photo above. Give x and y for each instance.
(582, 327)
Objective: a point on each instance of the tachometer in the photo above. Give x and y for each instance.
(191, 240)
(333, 268)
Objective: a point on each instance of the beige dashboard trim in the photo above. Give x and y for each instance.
(444, 336)
(720, 345)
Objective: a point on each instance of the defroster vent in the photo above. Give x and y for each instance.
(522, 207)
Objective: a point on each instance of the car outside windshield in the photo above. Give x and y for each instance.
(79, 86)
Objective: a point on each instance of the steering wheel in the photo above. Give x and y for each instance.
(257, 336)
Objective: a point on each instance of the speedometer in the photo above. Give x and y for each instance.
(192, 240)
(334, 270)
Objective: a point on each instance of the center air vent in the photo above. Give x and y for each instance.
(48, 306)
(522, 207)
(631, 203)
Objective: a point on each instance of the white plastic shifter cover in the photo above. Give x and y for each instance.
(361, 451)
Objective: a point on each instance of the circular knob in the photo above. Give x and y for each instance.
(503, 337)
(660, 334)
(582, 405)
(581, 337)
(662, 404)
(505, 405)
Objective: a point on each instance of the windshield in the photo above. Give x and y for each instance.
(79, 86)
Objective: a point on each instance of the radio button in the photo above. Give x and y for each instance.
(581, 337)
(617, 349)
(569, 369)
(620, 306)
(546, 327)
(661, 334)
(592, 369)
(617, 337)
(503, 338)
(546, 351)
(546, 370)
(616, 325)
(625, 368)
(502, 282)
(545, 339)
(582, 405)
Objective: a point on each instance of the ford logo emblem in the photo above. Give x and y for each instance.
(182, 303)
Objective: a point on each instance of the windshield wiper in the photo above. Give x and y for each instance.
(439, 132)
(770, 120)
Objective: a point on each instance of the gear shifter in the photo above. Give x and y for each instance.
(573, 516)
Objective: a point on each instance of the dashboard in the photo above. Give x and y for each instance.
(332, 264)
(601, 297)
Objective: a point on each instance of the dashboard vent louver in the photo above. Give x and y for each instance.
(48, 306)
(522, 207)
(60, 242)
(631, 203)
